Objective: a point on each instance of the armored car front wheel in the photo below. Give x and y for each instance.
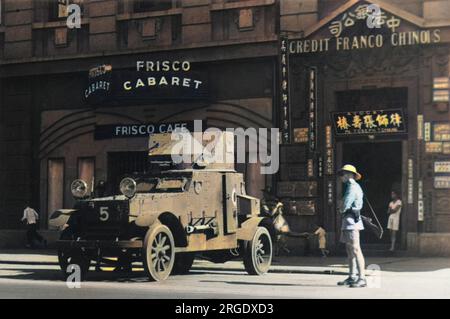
(258, 252)
(158, 252)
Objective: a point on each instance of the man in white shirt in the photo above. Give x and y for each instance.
(31, 217)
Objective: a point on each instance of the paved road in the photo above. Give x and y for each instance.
(22, 277)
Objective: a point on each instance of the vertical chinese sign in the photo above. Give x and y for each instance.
(312, 107)
(284, 92)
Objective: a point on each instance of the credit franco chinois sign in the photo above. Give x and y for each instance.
(369, 122)
(376, 27)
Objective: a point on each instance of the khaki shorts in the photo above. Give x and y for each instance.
(350, 237)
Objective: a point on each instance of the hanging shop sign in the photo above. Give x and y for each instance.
(433, 147)
(284, 91)
(385, 31)
(329, 162)
(441, 132)
(420, 127)
(301, 135)
(410, 191)
(427, 131)
(441, 88)
(312, 99)
(149, 81)
(442, 167)
(99, 84)
(442, 182)
(420, 204)
(330, 192)
(310, 167)
(446, 148)
(369, 122)
(111, 131)
(297, 189)
(410, 168)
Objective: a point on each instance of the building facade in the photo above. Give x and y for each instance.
(341, 85)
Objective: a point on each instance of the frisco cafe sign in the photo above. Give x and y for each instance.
(149, 80)
(110, 131)
(369, 122)
(372, 18)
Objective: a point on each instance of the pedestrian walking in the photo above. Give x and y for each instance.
(352, 224)
(394, 211)
(31, 217)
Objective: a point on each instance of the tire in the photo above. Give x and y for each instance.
(72, 256)
(66, 258)
(183, 263)
(158, 252)
(258, 252)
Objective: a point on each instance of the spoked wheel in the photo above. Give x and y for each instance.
(183, 263)
(159, 252)
(258, 252)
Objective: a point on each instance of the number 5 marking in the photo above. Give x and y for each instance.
(104, 215)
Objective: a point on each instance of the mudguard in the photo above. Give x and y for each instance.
(60, 217)
(248, 228)
(145, 220)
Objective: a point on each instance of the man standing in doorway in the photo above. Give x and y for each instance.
(350, 210)
(31, 217)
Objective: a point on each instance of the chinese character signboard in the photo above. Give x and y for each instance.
(369, 122)
(441, 132)
(441, 89)
(301, 135)
(442, 182)
(284, 92)
(433, 147)
(442, 167)
(312, 100)
(385, 30)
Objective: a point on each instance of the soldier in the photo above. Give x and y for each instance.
(31, 216)
(350, 210)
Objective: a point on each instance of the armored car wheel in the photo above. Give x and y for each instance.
(158, 252)
(70, 256)
(258, 252)
(183, 263)
(76, 258)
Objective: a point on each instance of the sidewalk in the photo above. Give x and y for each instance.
(301, 265)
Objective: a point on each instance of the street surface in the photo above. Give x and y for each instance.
(27, 274)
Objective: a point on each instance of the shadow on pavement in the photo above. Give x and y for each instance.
(265, 284)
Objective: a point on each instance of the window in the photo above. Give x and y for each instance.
(58, 8)
(86, 171)
(157, 5)
(55, 182)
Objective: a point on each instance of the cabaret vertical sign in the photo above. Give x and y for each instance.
(284, 91)
(312, 107)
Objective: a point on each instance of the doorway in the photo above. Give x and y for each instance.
(380, 164)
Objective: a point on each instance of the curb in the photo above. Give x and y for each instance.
(199, 268)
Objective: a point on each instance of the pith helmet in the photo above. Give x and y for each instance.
(351, 169)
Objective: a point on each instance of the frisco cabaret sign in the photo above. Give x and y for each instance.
(150, 80)
(156, 75)
(363, 16)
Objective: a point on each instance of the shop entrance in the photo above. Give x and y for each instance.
(380, 163)
(124, 163)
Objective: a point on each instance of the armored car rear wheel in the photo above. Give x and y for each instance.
(158, 252)
(258, 252)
